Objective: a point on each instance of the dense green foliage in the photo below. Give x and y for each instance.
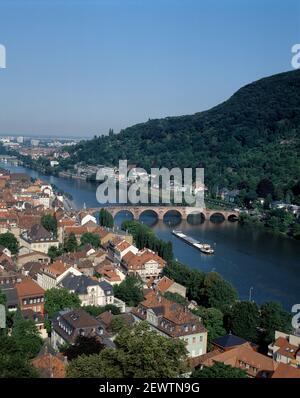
(57, 300)
(2, 298)
(275, 220)
(144, 236)
(26, 335)
(95, 310)
(18, 348)
(49, 223)
(209, 290)
(258, 324)
(117, 324)
(177, 298)
(219, 371)
(106, 219)
(54, 252)
(137, 349)
(244, 320)
(90, 238)
(272, 318)
(70, 243)
(130, 290)
(213, 321)
(9, 241)
(251, 136)
(87, 345)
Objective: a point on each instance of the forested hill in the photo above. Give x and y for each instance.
(254, 134)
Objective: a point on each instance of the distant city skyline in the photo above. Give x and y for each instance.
(78, 68)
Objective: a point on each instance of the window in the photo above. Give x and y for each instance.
(194, 340)
(201, 339)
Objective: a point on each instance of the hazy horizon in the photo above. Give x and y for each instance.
(77, 69)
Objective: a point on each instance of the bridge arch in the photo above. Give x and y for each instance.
(172, 217)
(195, 217)
(232, 217)
(217, 217)
(129, 214)
(150, 216)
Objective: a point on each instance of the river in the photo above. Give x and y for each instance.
(247, 257)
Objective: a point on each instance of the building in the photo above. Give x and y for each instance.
(38, 239)
(166, 284)
(34, 256)
(38, 319)
(49, 363)
(285, 349)
(50, 275)
(69, 324)
(118, 248)
(91, 291)
(229, 341)
(11, 294)
(173, 320)
(253, 363)
(86, 217)
(144, 263)
(30, 295)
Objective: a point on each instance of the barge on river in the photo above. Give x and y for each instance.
(203, 247)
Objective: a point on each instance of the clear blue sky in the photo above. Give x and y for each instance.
(81, 67)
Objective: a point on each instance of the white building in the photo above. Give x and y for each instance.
(90, 291)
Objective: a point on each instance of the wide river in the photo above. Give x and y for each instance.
(247, 257)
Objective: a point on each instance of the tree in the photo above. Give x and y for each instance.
(13, 363)
(117, 324)
(212, 319)
(272, 318)
(194, 284)
(137, 349)
(26, 336)
(97, 310)
(219, 371)
(177, 298)
(265, 187)
(296, 230)
(87, 345)
(217, 292)
(106, 219)
(130, 290)
(57, 300)
(244, 320)
(49, 223)
(144, 236)
(9, 241)
(2, 298)
(54, 252)
(70, 243)
(90, 238)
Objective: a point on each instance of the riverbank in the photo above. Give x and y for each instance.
(247, 257)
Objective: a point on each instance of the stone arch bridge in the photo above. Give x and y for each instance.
(161, 211)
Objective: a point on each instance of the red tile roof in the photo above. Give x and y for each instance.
(243, 357)
(50, 366)
(138, 261)
(28, 288)
(164, 284)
